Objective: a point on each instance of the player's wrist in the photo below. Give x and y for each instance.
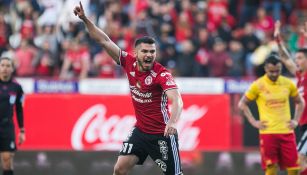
(295, 122)
(22, 130)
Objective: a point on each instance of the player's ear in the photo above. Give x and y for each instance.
(135, 51)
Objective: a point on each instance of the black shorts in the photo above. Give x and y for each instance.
(302, 145)
(7, 144)
(163, 150)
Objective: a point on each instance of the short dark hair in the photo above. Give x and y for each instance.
(272, 59)
(303, 50)
(144, 39)
(7, 58)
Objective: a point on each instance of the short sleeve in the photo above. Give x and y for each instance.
(253, 91)
(166, 81)
(125, 59)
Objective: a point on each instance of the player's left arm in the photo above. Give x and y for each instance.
(299, 108)
(19, 114)
(176, 108)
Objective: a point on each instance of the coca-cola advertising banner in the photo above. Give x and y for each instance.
(102, 122)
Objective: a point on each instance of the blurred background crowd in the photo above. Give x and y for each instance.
(196, 38)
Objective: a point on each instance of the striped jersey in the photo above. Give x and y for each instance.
(148, 94)
(272, 99)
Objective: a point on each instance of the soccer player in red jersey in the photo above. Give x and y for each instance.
(151, 86)
(297, 68)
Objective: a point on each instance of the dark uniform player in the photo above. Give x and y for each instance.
(151, 86)
(11, 95)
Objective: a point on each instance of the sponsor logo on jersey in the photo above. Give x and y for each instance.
(148, 80)
(132, 74)
(12, 99)
(153, 73)
(12, 145)
(165, 73)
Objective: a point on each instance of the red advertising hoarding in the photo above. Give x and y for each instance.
(102, 122)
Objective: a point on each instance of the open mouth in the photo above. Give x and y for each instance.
(148, 61)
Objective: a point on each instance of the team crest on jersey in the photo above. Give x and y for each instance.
(12, 145)
(148, 80)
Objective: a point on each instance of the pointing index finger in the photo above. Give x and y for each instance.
(81, 5)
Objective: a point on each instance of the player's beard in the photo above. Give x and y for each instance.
(144, 66)
(273, 78)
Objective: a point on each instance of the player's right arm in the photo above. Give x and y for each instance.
(243, 106)
(98, 35)
(250, 95)
(283, 52)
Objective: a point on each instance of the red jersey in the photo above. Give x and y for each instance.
(302, 88)
(148, 94)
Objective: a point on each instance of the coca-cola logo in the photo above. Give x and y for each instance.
(95, 131)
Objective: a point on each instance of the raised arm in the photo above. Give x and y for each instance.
(282, 50)
(176, 108)
(98, 35)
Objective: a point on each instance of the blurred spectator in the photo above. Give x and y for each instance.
(250, 43)
(219, 60)
(186, 61)
(76, 61)
(202, 41)
(51, 11)
(248, 11)
(47, 35)
(143, 26)
(277, 7)
(5, 32)
(24, 57)
(217, 13)
(27, 29)
(260, 54)
(183, 28)
(44, 61)
(264, 24)
(236, 54)
(104, 66)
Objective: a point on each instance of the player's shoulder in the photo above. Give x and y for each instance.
(16, 83)
(160, 70)
(126, 57)
(287, 80)
(260, 80)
